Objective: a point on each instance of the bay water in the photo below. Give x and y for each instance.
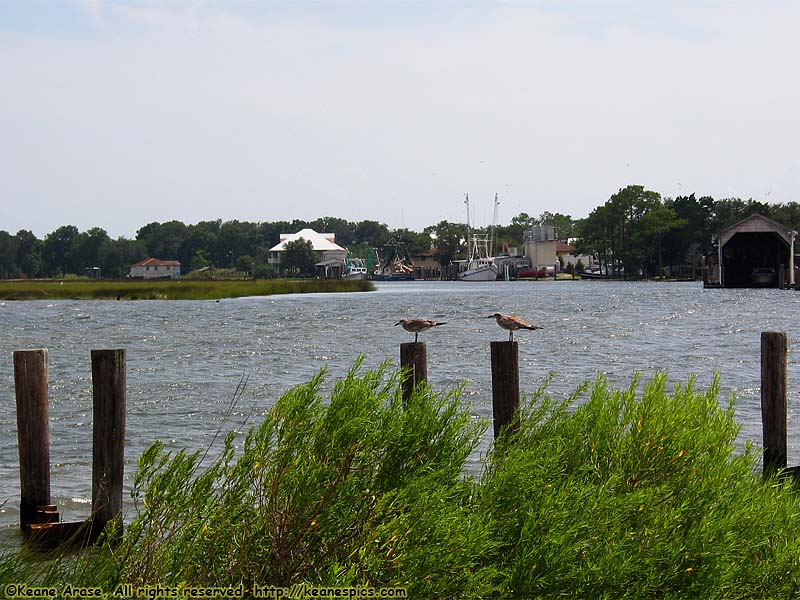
(185, 359)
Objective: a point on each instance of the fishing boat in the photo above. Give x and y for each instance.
(353, 271)
(394, 263)
(354, 268)
(480, 266)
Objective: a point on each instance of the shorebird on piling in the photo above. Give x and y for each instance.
(511, 323)
(416, 326)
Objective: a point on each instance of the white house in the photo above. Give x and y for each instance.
(323, 244)
(152, 268)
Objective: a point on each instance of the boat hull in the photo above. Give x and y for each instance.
(395, 277)
(479, 274)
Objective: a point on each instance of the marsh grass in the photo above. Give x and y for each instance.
(635, 493)
(170, 290)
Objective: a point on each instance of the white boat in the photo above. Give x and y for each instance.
(354, 269)
(354, 272)
(480, 266)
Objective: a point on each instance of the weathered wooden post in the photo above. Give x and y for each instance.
(414, 359)
(505, 383)
(773, 400)
(108, 436)
(30, 383)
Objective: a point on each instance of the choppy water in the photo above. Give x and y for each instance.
(185, 358)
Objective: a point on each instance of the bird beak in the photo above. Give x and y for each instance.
(396, 324)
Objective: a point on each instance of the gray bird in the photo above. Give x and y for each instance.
(511, 323)
(416, 326)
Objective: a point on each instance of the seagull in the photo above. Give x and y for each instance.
(415, 326)
(511, 323)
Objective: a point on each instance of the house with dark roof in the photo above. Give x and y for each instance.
(153, 268)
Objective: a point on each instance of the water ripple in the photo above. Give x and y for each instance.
(185, 358)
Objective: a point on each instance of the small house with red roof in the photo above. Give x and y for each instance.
(153, 268)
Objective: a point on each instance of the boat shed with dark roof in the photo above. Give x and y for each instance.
(755, 252)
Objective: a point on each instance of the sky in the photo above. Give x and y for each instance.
(118, 114)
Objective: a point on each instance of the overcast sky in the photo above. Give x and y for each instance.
(117, 114)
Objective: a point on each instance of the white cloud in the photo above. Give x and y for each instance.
(183, 111)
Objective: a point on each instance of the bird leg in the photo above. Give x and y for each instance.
(416, 337)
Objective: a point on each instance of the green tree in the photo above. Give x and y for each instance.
(694, 237)
(244, 263)
(626, 233)
(563, 224)
(371, 233)
(164, 241)
(728, 211)
(514, 234)
(8, 256)
(199, 260)
(415, 243)
(449, 240)
(59, 251)
(202, 238)
(235, 239)
(87, 248)
(29, 254)
(117, 256)
(298, 257)
(345, 231)
(596, 236)
(788, 214)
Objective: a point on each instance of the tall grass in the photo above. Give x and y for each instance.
(639, 494)
(635, 493)
(171, 290)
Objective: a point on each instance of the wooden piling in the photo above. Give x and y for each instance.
(108, 436)
(414, 359)
(505, 383)
(30, 384)
(773, 400)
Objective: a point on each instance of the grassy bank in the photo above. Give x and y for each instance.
(636, 493)
(137, 289)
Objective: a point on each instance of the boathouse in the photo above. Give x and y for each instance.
(755, 252)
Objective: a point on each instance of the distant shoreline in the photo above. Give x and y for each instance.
(184, 289)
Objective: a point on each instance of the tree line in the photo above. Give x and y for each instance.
(638, 233)
(635, 232)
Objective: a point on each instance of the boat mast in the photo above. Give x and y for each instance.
(494, 224)
(470, 253)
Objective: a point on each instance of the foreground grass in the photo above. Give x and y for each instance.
(636, 493)
(137, 289)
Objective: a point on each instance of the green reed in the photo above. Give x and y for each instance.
(185, 289)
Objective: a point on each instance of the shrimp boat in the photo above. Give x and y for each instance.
(480, 266)
(394, 263)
